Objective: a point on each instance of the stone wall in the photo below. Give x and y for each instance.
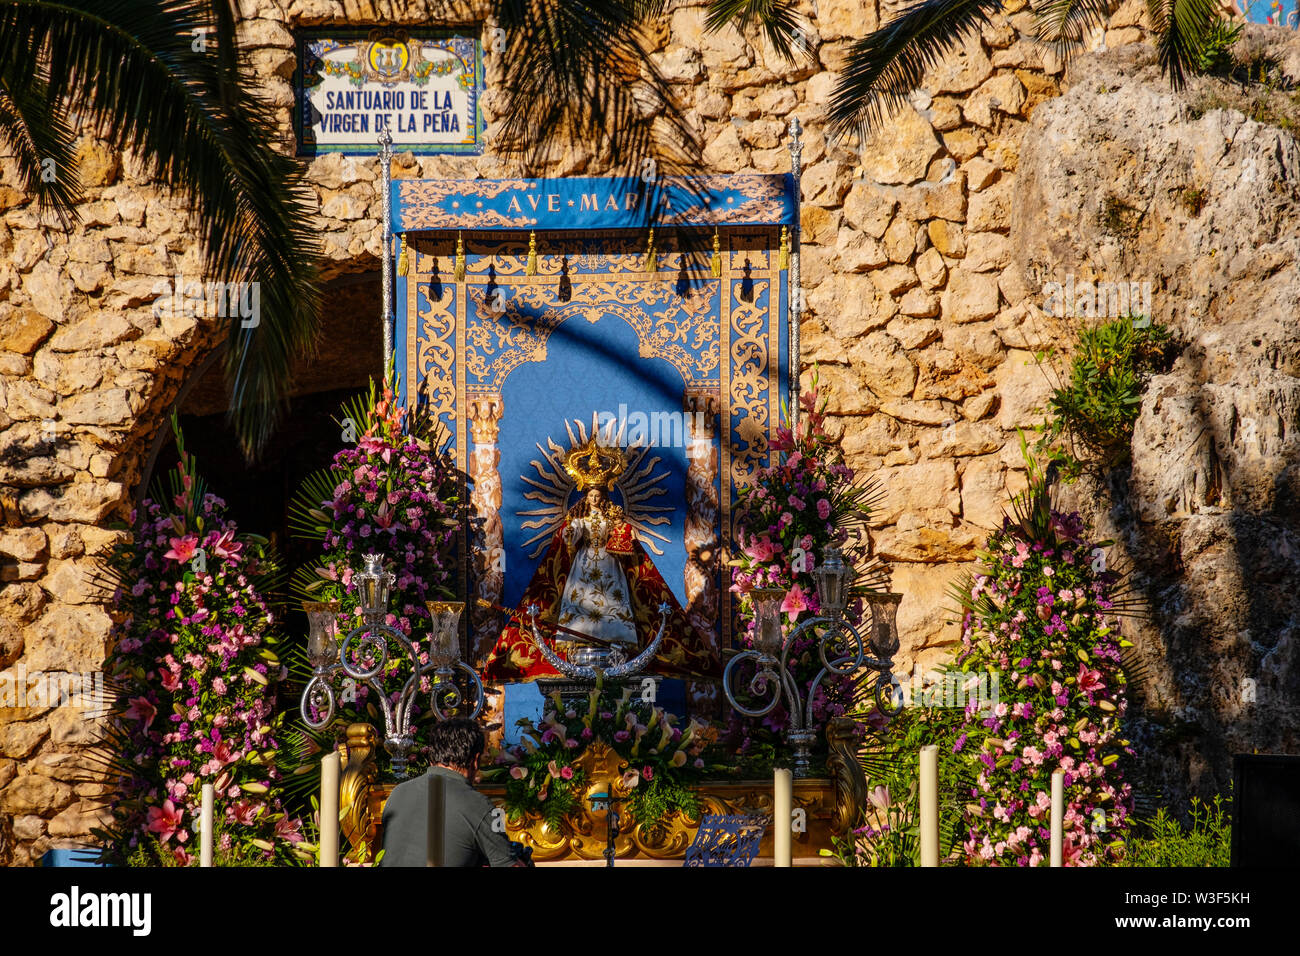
(920, 328)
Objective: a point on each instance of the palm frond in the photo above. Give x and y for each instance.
(887, 64)
(776, 19)
(959, 589)
(306, 519)
(579, 69)
(1181, 26)
(134, 71)
(1065, 23)
(42, 144)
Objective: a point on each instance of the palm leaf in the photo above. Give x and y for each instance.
(41, 142)
(1065, 23)
(579, 70)
(306, 517)
(775, 18)
(887, 64)
(133, 71)
(1181, 26)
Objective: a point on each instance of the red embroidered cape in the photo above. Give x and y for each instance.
(683, 652)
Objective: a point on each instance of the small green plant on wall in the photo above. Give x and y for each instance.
(1214, 54)
(1092, 414)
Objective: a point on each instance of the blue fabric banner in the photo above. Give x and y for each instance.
(612, 203)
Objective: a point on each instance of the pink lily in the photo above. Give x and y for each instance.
(795, 602)
(183, 549)
(1089, 680)
(165, 820)
(141, 710)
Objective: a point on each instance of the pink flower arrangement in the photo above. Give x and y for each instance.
(1059, 717)
(392, 494)
(806, 501)
(192, 626)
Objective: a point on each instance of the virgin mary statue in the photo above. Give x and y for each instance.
(596, 578)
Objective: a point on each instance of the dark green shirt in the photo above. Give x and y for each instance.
(468, 837)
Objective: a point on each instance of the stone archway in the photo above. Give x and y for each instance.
(258, 492)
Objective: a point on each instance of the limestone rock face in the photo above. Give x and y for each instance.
(1207, 514)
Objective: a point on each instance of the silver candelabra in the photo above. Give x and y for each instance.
(840, 646)
(363, 656)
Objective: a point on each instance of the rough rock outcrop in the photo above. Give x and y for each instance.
(1123, 181)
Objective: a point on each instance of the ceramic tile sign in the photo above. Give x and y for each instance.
(423, 86)
(1278, 13)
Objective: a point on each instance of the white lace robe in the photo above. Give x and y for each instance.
(596, 598)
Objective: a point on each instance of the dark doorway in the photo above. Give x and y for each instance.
(258, 493)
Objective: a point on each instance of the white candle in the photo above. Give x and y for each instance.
(782, 817)
(205, 846)
(930, 805)
(329, 810)
(1058, 817)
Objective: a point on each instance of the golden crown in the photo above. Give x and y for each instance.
(593, 465)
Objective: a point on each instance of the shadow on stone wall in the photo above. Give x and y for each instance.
(1205, 514)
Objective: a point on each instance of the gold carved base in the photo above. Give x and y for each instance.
(823, 807)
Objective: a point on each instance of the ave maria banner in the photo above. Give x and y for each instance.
(423, 86)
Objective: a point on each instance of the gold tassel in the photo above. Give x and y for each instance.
(532, 255)
(459, 272)
(784, 261)
(651, 257)
(403, 257)
(716, 262)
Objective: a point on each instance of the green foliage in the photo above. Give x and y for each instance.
(1093, 413)
(653, 803)
(1259, 89)
(544, 774)
(1163, 841)
(228, 849)
(1193, 200)
(1118, 218)
(1214, 53)
(889, 833)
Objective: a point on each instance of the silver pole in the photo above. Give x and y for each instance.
(795, 297)
(386, 166)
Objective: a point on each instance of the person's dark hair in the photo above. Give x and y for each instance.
(456, 743)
